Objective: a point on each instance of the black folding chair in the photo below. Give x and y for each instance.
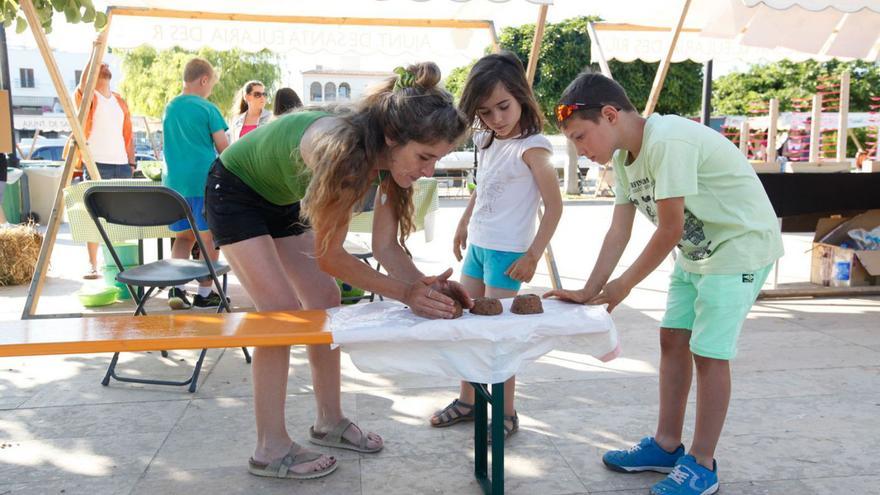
(150, 206)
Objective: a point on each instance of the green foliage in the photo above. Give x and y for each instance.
(565, 52)
(74, 11)
(457, 77)
(153, 78)
(786, 80)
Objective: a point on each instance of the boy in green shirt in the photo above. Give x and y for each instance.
(705, 198)
(194, 132)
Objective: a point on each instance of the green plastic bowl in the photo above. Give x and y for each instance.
(100, 296)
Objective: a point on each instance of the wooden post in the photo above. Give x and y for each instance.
(816, 129)
(30, 152)
(772, 129)
(555, 280)
(494, 36)
(744, 137)
(27, 6)
(594, 40)
(536, 44)
(664, 64)
(843, 123)
(39, 278)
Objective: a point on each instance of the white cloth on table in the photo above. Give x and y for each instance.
(386, 336)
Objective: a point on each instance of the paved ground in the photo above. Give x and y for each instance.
(803, 419)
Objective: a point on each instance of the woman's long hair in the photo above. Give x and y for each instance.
(407, 107)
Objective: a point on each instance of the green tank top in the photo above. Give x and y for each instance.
(268, 159)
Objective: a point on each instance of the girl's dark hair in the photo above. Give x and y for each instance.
(504, 68)
(592, 88)
(285, 100)
(246, 90)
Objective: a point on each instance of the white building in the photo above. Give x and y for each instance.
(330, 86)
(35, 103)
(32, 88)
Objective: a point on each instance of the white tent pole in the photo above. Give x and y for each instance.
(594, 40)
(815, 129)
(772, 129)
(844, 116)
(664, 64)
(744, 137)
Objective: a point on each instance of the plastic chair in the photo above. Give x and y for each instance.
(148, 207)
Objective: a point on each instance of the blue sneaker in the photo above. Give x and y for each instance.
(644, 456)
(688, 478)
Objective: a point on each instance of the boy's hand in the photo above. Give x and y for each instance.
(580, 296)
(459, 242)
(523, 269)
(612, 294)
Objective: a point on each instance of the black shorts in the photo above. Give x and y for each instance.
(236, 212)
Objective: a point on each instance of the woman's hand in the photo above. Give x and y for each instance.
(523, 269)
(432, 297)
(459, 241)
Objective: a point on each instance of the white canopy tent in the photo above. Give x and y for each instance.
(750, 30)
(458, 14)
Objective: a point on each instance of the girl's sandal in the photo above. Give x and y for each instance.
(456, 412)
(508, 430)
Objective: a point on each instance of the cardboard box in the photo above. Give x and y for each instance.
(837, 266)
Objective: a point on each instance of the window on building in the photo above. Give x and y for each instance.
(330, 92)
(27, 77)
(77, 75)
(315, 94)
(344, 91)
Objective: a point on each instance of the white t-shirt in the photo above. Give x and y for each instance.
(106, 141)
(507, 196)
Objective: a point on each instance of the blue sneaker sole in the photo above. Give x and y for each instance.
(636, 469)
(708, 491)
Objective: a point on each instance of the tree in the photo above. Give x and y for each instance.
(153, 78)
(565, 52)
(786, 80)
(74, 11)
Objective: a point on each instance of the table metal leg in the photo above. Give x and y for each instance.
(495, 485)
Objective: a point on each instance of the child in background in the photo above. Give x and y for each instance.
(706, 199)
(515, 173)
(194, 132)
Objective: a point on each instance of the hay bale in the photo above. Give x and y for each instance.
(19, 250)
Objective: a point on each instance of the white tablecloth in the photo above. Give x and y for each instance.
(386, 336)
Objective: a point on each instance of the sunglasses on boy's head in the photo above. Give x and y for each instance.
(564, 111)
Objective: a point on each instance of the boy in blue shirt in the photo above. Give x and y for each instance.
(705, 198)
(194, 132)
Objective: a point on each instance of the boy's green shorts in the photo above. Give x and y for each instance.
(712, 307)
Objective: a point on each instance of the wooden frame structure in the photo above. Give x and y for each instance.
(77, 119)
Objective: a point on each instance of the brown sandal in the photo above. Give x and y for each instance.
(334, 438)
(453, 414)
(281, 468)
